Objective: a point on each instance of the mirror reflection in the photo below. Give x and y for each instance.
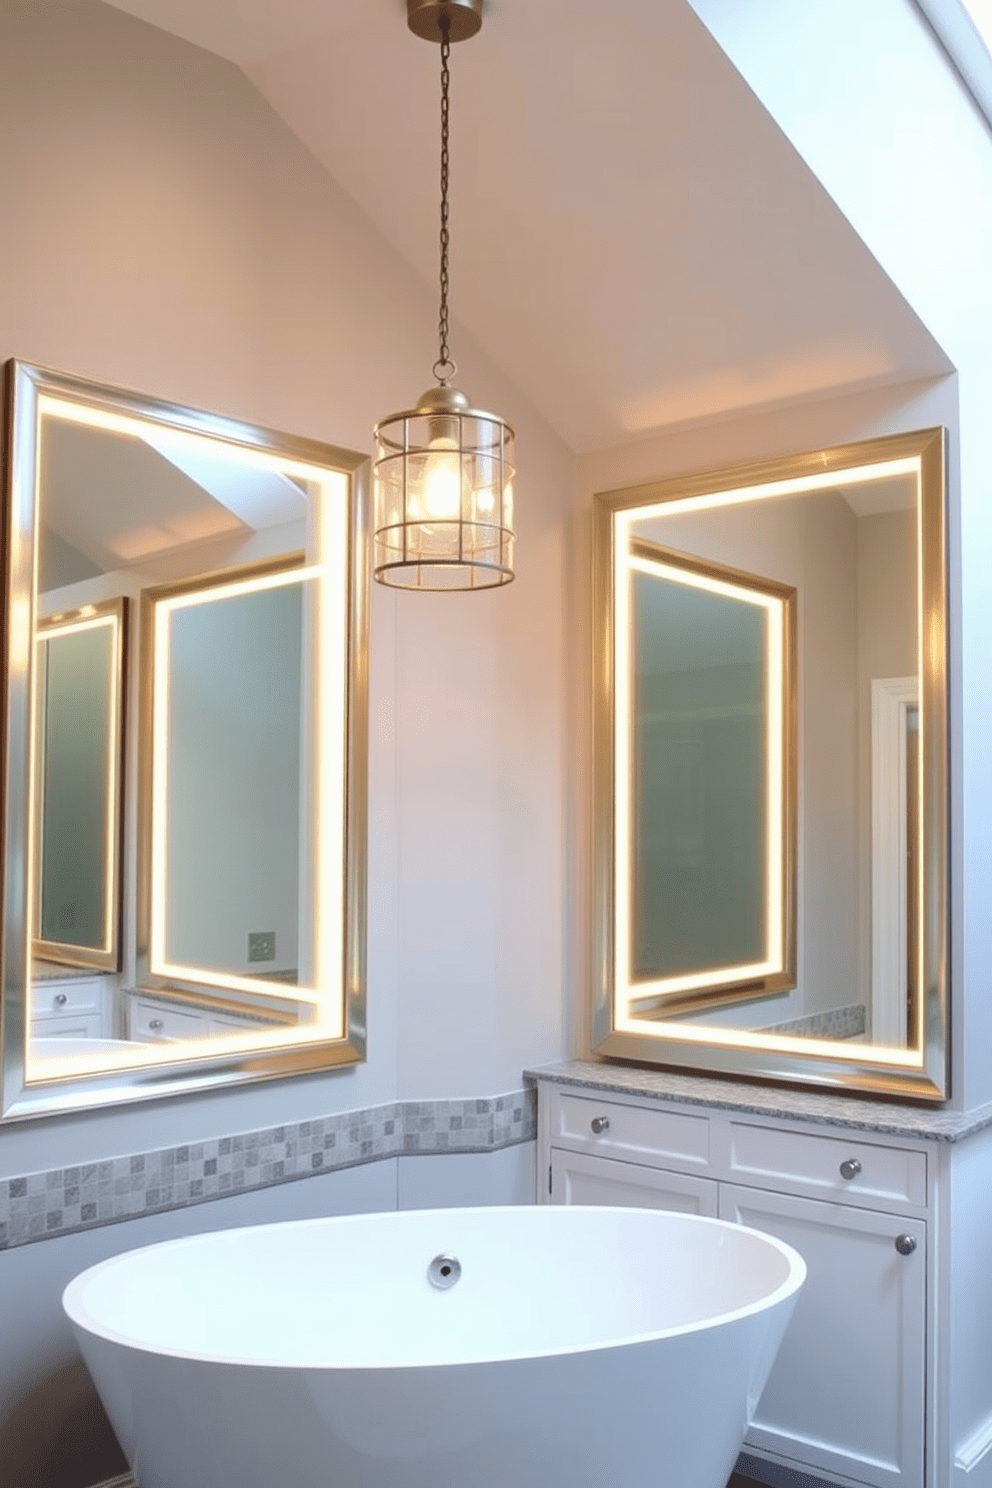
(79, 729)
(772, 863)
(228, 659)
(711, 769)
(198, 629)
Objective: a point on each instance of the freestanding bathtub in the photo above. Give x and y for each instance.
(577, 1348)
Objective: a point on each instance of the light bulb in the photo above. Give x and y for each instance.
(442, 487)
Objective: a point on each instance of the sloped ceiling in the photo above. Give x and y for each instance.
(633, 239)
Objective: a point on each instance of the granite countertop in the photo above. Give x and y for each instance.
(896, 1118)
(56, 971)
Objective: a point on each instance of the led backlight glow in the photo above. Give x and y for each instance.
(628, 993)
(803, 485)
(52, 630)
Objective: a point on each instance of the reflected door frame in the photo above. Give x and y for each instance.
(891, 701)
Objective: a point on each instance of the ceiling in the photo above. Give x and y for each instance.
(634, 242)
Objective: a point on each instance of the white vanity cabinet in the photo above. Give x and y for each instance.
(73, 1007)
(849, 1396)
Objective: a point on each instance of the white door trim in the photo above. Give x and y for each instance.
(891, 698)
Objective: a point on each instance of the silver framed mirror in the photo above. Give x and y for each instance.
(236, 561)
(771, 770)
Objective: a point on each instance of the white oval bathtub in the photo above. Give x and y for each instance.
(580, 1348)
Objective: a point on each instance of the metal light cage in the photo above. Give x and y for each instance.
(444, 496)
(444, 470)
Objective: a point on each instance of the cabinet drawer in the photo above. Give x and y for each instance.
(847, 1169)
(57, 999)
(153, 1021)
(653, 1136)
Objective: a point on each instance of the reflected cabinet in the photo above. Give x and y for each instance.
(771, 777)
(185, 710)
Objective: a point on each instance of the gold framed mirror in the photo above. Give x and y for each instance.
(235, 560)
(770, 777)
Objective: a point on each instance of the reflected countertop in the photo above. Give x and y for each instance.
(894, 1118)
(54, 971)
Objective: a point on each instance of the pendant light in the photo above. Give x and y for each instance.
(444, 470)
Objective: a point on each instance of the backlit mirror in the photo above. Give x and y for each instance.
(771, 769)
(78, 761)
(185, 700)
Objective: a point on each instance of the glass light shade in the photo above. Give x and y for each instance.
(444, 496)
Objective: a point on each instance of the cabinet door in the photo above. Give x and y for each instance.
(577, 1179)
(846, 1392)
(85, 1025)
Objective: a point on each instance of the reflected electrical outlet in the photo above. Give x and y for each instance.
(261, 945)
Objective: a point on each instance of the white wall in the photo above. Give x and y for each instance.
(164, 231)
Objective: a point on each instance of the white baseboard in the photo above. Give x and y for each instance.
(973, 1461)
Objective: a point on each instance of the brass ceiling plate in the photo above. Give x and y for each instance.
(425, 17)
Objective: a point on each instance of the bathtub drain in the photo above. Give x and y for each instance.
(444, 1271)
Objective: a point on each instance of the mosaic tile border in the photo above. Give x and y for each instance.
(39, 1206)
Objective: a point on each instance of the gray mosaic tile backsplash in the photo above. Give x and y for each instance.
(36, 1206)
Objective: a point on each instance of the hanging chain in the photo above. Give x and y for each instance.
(444, 364)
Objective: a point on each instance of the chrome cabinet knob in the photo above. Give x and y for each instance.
(599, 1124)
(155, 1023)
(850, 1168)
(905, 1244)
(61, 999)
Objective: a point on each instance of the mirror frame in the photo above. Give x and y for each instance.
(923, 1072)
(25, 387)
